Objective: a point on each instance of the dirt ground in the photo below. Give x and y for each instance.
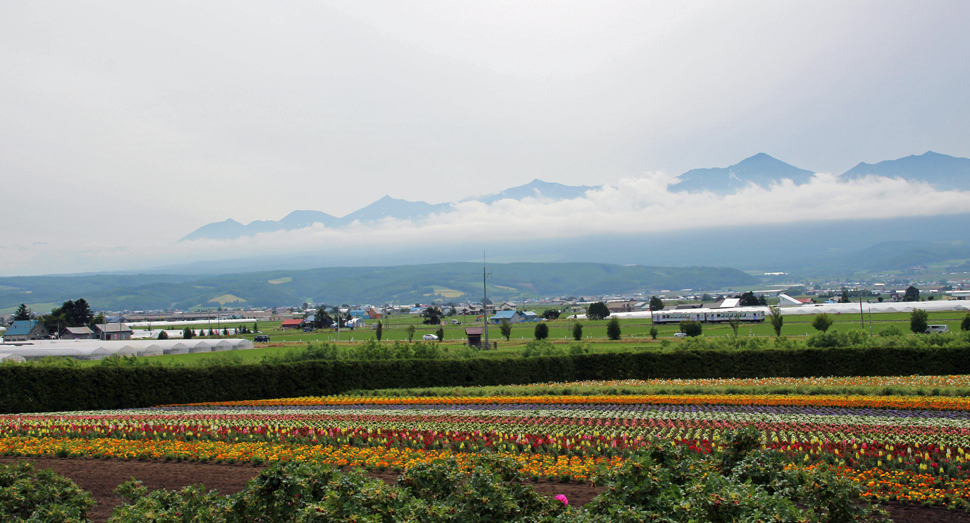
(100, 477)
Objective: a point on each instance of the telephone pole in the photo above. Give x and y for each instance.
(485, 302)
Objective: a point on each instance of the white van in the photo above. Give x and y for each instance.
(936, 329)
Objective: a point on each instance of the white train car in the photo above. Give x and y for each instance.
(745, 314)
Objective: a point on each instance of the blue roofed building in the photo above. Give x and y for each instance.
(25, 330)
(509, 316)
(530, 316)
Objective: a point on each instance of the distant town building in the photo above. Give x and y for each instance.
(112, 331)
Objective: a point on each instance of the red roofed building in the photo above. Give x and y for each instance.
(293, 324)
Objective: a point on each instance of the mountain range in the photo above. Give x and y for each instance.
(441, 282)
(386, 207)
(939, 170)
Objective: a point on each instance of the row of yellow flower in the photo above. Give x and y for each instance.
(872, 402)
(879, 485)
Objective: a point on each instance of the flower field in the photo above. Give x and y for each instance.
(905, 448)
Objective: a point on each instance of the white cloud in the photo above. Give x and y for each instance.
(634, 205)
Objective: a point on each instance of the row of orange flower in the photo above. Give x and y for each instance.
(538, 465)
(872, 402)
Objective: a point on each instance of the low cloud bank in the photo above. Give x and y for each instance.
(634, 205)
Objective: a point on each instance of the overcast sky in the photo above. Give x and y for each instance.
(126, 125)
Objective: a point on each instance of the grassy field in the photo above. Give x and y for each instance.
(635, 334)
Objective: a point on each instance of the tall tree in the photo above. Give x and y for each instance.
(918, 321)
(597, 311)
(613, 329)
(506, 329)
(321, 319)
(656, 304)
(22, 314)
(912, 294)
(734, 320)
(432, 315)
(379, 331)
(777, 320)
(82, 313)
(845, 296)
(542, 331)
(748, 299)
(577, 331)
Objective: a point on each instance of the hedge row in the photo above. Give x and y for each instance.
(27, 388)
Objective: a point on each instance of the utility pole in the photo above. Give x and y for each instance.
(485, 303)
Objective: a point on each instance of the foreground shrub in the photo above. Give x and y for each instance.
(44, 496)
(670, 483)
(191, 504)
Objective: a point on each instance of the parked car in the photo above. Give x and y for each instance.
(261, 338)
(429, 337)
(680, 335)
(936, 329)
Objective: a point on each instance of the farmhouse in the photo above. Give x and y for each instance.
(76, 333)
(621, 306)
(112, 331)
(296, 323)
(509, 316)
(25, 330)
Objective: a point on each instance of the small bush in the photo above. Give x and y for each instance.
(691, 328)
(41, 496)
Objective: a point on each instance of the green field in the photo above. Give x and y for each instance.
(635, 333)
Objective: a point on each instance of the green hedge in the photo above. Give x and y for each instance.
(29, 388)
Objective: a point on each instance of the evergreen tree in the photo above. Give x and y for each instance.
(379, 331)
(965, 324)
(22, 314)
(656, 304)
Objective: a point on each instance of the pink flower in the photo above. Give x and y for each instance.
(562, 497)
